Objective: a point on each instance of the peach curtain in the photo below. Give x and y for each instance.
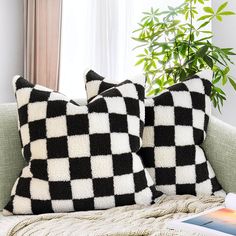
(42, 41)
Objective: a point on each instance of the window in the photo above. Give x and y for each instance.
(96, 34)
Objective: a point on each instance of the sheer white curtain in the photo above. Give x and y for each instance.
(97, 34)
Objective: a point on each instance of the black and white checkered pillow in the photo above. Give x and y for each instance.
(175, 125)
(81, 157)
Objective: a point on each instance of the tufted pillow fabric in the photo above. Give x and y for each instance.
(81, 157)
(175, 125)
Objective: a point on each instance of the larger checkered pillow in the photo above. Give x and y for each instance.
(81, 157)
(175, 127)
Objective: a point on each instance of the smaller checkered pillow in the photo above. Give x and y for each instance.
(80, 157)
(175, 126)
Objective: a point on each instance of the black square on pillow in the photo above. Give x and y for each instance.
(56, 108)
(164, 99)
(198, 101)
(60, 190)
(127, 199)
(39, 169)
(103, 187)
(118, 164)
(202, 172)
(23, 187)
(100, 144)
(77, 124)
(118, 123)
(183, 116)
(80, 168)
(147, 154)
(149, 116)
(165, 176)
(83, 204)
(57, 147)
(140, 181)
(23, 115)
(164, 135)
(41, 207)
(98, 106)
(37, 129)
(185, 155)
(132, 106)
(39, 95)
(185, 189)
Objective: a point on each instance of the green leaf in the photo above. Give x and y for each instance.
(208, 10)
(204, 17)
(219, 18)
(221, 7)
(224, 80)
(208, 61)
(227, 13)
(202, 51)
(233, 83)
(140, 61)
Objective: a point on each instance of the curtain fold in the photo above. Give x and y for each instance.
(42, 33)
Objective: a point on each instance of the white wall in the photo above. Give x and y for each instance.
(11, 45)
(225, 36)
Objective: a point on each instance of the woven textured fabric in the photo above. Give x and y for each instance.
(81, 157)
(175, 125)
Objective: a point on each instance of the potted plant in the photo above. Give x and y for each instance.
(176, 44)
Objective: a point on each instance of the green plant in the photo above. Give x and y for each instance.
(174, 49)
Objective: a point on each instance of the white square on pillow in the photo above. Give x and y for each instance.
(58, 169)
(165, 157)
(82, 188)
(198, 119)
(133, 125)
(148, 136)
(78, 145)
(199, 155)
(104, 202)
(38, 149)
(210, 170)
(204, 187)
(182, 99)
(72, 109)
(23, 96)
(102, 166)
(195, 85)
(62, 205)
(169, 189)
(137, 163)
(37, 111)
(124, 184)
(102, 126)
(164, 115)
(39, 189)
(116, 105)
(22, 205)
(141, 197)
(92, 88)
(186, 174)
(128, 90)
(25, 136)
(183, 135)
(123, 140)
(52, 125)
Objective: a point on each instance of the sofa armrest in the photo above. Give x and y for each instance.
(11, 160)
(220, 148)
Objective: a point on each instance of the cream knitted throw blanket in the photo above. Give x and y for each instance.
(122, 221)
